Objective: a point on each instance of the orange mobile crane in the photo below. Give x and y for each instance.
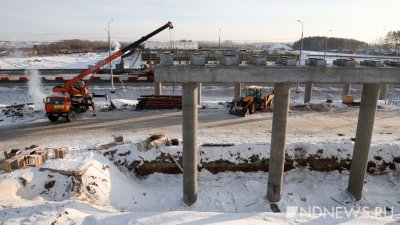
(74, 97)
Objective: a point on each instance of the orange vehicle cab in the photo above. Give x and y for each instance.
(58, 105)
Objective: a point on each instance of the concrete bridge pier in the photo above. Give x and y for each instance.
(157, 88)
(199, 94)
(362, 144)
(346, 89)
(278, 139)
(238, 92)
(308, 92)
(189, 138)
(383, 91)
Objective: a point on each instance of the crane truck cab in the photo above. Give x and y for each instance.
(57, 106)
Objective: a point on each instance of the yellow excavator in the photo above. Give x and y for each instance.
(252, 102)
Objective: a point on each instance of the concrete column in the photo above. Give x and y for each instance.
(278, 138)
(157, 88)
(238, 92)
(365, 126)
(189, 138)
(346, 89)
(308, 92)
(199, 94)
(383, 91)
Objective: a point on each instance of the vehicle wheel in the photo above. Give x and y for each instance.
(71, 116)
(246, 112)
(53, 118)
(262, 105)
(252, 108)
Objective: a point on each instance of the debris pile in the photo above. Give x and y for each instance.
(159, 102)
(322, 107)
(155, 141)
(17, 111)
(118, 140)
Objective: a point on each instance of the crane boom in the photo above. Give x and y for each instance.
(132, 46)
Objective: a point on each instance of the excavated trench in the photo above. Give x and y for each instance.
(165, 164)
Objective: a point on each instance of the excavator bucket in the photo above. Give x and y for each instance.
(239, 111)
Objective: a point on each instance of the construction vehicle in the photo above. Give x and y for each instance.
(252, 102)
(74, 97)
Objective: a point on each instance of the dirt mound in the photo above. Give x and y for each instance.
(321, 107)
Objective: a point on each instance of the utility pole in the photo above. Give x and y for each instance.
(326, 42)
(219, 44)
(219, 39)
(301, 46)
(109, 53)
(301, 49)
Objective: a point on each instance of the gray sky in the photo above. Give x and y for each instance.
(246, 20)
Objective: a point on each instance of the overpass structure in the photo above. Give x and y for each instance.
(191, 76)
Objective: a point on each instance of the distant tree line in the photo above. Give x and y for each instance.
(391, 41)
(317, 43)
(71, 46)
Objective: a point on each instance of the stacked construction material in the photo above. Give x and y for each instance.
(372, 63)
(346, 62)
(17, 158)
(391, 63)
(159, 102)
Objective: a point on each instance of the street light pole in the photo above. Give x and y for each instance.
(326, 42)
(301, 49)
(109, 53)
(301, 46)
(219, 39)
(219, 44)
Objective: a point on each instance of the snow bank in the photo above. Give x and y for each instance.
(105, 195)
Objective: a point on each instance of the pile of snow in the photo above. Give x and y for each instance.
(105, 195)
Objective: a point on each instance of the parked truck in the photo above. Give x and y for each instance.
(73, 97)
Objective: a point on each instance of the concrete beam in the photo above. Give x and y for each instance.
(189, 138)
(157, 88)
(308, 92)
(365, 126)
(278, 141)
(383, 91)
(276, 74)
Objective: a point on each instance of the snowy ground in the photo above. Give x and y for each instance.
(69, 61)
(108, 194)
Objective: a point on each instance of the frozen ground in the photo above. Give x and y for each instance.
(107, 194)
